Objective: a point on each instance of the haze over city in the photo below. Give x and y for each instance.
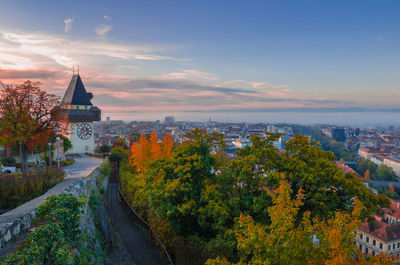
(228, 60)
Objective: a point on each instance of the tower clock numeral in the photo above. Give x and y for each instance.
(84, 131)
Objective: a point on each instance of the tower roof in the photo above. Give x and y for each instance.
(76, 93)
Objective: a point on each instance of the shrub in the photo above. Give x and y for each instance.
(54, 242)
(8, 161)
(68, 162)
(18, 188)
(115, 157)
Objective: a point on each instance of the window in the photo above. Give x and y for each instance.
(374, 242)
(366, 250)
(361, 236)
(388, 247)
(380, 245)
(398, 245)
(367, 239)
(373, 253)
(85, 107)
(360, 247)
(76, 107)
(394, 245)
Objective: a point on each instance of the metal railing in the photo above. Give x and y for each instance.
(153, 233)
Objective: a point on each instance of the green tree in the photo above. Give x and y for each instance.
(186, 191)
(326, 188)
(103, 149)
(67, 145)
(386, 173)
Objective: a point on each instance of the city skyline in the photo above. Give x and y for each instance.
(188, 56)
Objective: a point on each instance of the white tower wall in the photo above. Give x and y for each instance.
(80, 146)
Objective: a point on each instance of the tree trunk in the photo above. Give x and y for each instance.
(23, 157)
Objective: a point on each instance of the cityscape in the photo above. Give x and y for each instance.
(199, 132)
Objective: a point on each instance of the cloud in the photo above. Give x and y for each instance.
(226, 83)
(258, 84)
(192, 74)
(68, 24)
(27, 74)
(111, 71)
(102, 30)
(108, 18)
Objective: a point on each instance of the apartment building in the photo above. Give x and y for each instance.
(381, 235)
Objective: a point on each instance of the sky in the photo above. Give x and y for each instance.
(208, 56)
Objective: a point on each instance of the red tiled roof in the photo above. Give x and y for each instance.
(383, 231)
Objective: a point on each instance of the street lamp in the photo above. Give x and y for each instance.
(58, 151)
(49, 154)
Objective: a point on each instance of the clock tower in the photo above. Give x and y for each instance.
(77, 109)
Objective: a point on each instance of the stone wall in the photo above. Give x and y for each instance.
(19, 226)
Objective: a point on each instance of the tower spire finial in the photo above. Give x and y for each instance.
(78, 69)
(73, 70)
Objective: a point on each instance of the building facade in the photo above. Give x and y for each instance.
(382, 235)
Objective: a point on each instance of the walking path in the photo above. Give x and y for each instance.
(81, 168)
(134, 240)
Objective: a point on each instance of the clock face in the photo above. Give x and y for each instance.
(84, 131)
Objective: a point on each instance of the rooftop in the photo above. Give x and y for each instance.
(76, 93)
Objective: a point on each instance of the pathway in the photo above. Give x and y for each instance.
(81, 168)
(140, 250)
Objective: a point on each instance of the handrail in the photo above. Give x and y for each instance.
(147, 224)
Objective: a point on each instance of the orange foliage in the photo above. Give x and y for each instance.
(145, 151)
(155, 146)
(167, 145)
(391, 188)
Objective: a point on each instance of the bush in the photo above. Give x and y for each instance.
(115, 157)
(68, 162)
(54, 242)
(8, 161)
(18, 188)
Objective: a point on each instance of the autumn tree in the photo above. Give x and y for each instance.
(120, 142)
(155, 146)
(391, 188)
(167, 145)
(28, 117)
(145, 151)
(367, 176)
(310, 242)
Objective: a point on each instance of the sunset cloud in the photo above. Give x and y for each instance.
(258, 84)
(49, 58)
(192, 74)
(226, 83)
